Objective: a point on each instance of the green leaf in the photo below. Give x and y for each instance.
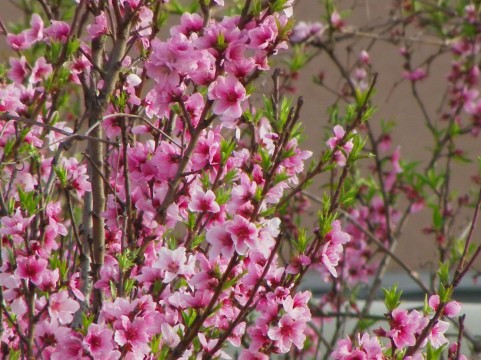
(434, 354)
(392, 297)
(366, 324)
(28, 201)
(14, 354)
(155, 343)
(127, 259)
(222, 196)
(87, 320)
(113, 289)
(175, 7)
(226, 149)
(128, 286)
(61, 173)
(72, 46)
(443, 272)
(189, 316)
(198, 240)
(302, 240)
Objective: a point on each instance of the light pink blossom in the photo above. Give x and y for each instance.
(288, 332)
(62, 307)
(204, 202)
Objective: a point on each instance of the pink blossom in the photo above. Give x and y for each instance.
(58, 30)
(304, 31)
(62, 307)
(190, 25)
(18, 42)
(402, 328)
(204, 202)
(395, 157)
(334, 142)
(31, 269)
(336, 21)
(35, 33)
(173, 262)
(364, 58)
(98, 341)
(15, 225)
(18, 69)
(451, 309)
(49, 333)
(40, 71)
(264, 34)
(169, 334)
(415, 75)
(332, 249)
(10, 99)
(367, 349)
(244, 234)
(133, 334)
(228, 94)
(221, 242)
(252, 355)
(98, 28)
(288, 332)
(436, 336)
(69, 347)
(75, 283)
(297, 263)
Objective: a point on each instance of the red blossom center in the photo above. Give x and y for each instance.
(173, 267)
(95, 342)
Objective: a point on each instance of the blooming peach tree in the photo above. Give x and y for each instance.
(152, 189)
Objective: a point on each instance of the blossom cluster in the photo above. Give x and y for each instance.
(164, 293)
(405, 328)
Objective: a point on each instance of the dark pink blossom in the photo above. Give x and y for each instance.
(31, 269)
(228, 95)
(18, 69)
